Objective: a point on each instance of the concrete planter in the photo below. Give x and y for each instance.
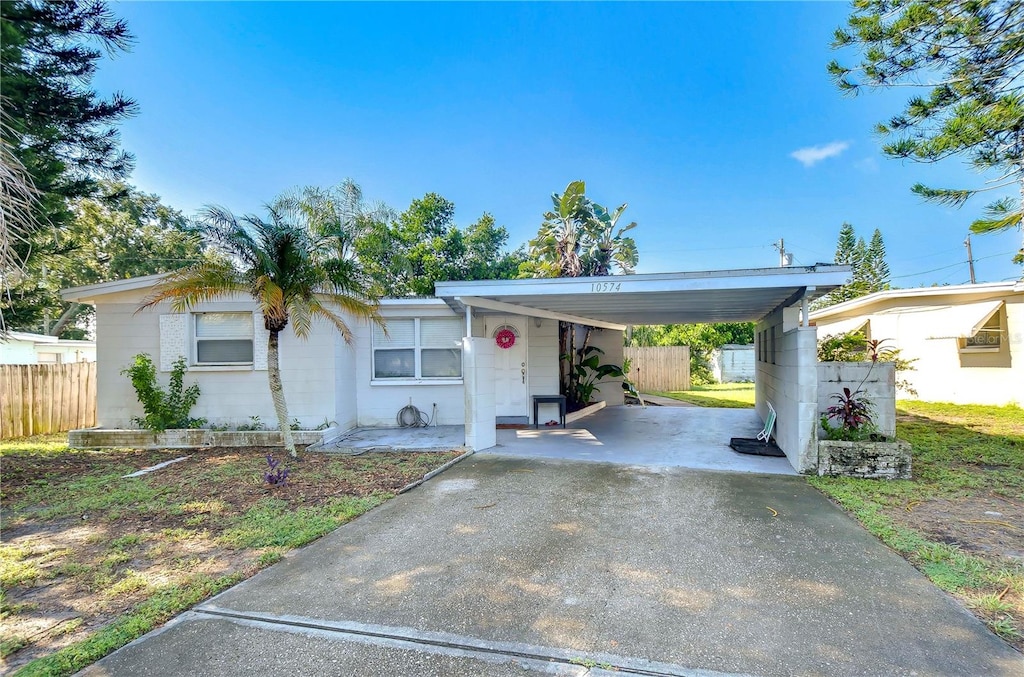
(877, 460)
(171, 439)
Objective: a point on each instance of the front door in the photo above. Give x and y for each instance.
(510, 387)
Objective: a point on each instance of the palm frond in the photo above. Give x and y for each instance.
(203, 282)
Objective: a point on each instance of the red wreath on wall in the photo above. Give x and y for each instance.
(505, 338)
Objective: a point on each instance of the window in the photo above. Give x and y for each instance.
(223, 338)
(988, 338)
(418, 348)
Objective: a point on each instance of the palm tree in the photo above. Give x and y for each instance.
(557, 245)
(605, 246)
(290, 267)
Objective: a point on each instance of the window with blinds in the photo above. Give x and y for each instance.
(223, 338)
(418, 348)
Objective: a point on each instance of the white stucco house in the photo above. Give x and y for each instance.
(23, 348)
(967, 340)
(473, 354)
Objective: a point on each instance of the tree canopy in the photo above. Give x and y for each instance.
(57, 128)
(407, 253)
(968, 58)
(870, 270)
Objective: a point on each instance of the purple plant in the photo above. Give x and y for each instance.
(852, 410)
(276, 476)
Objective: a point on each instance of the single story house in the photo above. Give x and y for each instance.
(967, 340)
(23, 348)
(475, 352)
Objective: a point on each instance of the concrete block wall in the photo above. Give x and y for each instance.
(478, 375)
(787, 376)
(230, 395)
(346, 409)
(877, 380)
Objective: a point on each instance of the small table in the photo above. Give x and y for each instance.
(549, 399)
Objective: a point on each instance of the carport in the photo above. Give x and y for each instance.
(776, 299)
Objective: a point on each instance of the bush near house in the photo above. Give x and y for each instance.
(90, 560)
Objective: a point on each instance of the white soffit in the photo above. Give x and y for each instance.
(958, 321)
(615, 301)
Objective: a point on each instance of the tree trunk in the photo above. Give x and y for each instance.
(277, 393)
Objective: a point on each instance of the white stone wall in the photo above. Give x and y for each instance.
(346, 409)
(733, 364)
(229, 395)
(13, 351)
(787, 377)
(876, 380)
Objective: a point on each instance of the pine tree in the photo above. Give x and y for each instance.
(876, 269)
(846, 245)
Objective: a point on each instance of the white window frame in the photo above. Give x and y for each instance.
(417, 347)
(239, 337)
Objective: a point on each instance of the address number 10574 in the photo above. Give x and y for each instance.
(598, 287)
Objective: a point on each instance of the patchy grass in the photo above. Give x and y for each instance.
(727, 395)
(960, 520)
(90, 560)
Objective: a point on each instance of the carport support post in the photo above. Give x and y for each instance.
(478, 385)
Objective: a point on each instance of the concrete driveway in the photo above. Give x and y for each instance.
(506, 566)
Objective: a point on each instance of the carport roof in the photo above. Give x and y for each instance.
(659, 298)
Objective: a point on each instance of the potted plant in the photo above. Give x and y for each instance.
(852, 445)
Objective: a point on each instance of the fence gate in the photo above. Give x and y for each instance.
(659, 368)
(37, 399)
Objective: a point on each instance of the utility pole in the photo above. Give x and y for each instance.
(970, 257)
(784, 258)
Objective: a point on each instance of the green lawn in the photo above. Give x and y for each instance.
(112, 557)
(727, 395)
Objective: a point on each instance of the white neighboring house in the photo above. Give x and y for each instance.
(968, 340)
(23, 348)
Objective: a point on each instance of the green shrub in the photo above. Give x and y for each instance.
(163, 409)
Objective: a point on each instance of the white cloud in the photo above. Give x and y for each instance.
(812, 155)
(868, 165)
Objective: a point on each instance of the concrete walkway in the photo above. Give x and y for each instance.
(505, 566)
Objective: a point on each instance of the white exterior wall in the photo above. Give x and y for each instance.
(610, 341)
(942, 372)
(378, 403)
(480, 407)
(228, 396)
(733, 364)
(15, 351)
(542, 358)
(346, 409)
(789, 380)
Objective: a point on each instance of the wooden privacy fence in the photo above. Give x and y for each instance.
(660, 368)
(37, 399)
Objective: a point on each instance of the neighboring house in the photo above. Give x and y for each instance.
(475, 354)
(967, 340)
(22, 348)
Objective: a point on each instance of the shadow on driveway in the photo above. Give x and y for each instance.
(506, 566)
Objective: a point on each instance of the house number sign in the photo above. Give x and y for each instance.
(602, 287)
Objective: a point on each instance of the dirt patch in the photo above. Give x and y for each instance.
(990, 524)
(81, 546)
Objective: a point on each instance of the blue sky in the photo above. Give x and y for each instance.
(689, 112)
